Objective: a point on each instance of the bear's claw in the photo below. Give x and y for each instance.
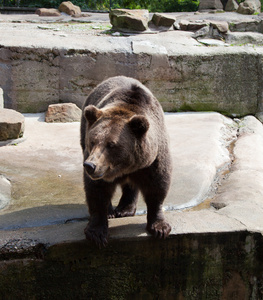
(159, 229)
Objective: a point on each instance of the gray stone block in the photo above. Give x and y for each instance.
(129, 20)
(63, 112)
(12, 124)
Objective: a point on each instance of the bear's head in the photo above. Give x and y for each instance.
(116, 142)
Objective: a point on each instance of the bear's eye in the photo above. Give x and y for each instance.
(111, 145)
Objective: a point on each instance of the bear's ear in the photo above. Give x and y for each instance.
(139, 125)
(92, 114)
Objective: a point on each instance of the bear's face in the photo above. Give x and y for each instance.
(115, 139)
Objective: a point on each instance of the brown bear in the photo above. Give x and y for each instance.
(125, 142)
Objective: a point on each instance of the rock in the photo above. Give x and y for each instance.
(1, 98)
(48, 12)
(259, 116)
(221, 26)
(249, 7)
(210, 4)
(183, 24)
(231, 5)
(210, 32)
(162, 20)
(211, 42)
(224, 3)
(69, 8)
(12, 124)
(192, 25)
(64, 112)
(203, 32)
(248, 25)
(5, 191)
(129, 20)
(241, 38)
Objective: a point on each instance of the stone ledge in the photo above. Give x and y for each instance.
(129, 228)
(219, 265)
(179, 73)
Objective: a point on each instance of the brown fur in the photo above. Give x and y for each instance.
(124, 141)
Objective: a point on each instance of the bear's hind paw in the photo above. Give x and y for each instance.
(159, 229)
(127, 211)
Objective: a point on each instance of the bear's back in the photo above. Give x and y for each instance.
(119, 85)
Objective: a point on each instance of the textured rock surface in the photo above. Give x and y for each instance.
(241, 38)
(245, 179)
(162, 20)
(69, 8)
(129, 20)
(210, 4)
(63, 112)
(253, 25)
(220, 26)
(231, 5)
(48, 12)
(11, 124)
(249, 7)
(192, 25)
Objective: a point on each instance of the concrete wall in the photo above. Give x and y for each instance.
(225, 81)
(225, 266)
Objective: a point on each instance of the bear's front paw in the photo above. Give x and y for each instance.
(97, 234)
(159, 229)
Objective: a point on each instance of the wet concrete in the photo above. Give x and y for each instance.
(46, 169)
(217, 172)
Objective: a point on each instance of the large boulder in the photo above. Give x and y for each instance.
(221, 26)
(62, 113)
(210, 4)
(129, 20)
(162, 20)
(12, 124)
(249, 7)
(69, 8)
(231, 5)
(48, 12)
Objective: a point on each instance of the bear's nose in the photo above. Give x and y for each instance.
(90, 167)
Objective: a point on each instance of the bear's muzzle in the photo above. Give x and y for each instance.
(89, 167)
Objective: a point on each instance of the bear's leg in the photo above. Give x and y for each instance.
(156, 224)
(154, 188)
(98, 196)
(128, 202)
